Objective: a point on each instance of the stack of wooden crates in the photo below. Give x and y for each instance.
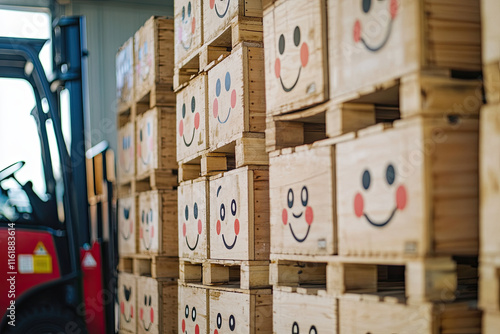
(372, 132)
(223, 202)
(490, 172)
(147, 181)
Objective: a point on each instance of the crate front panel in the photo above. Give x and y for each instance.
(125, 73)
(193, 219)
(148, 303)
(149, 232)
(381, 193)
(295, 55)
(217, 15)
(490, 9)
(145, 44)
(490, 178)
(231, 219)
(147, 147)
(303, 213)
(230, 312)
(127, 297)
(192, 118)
(127, 226)
(372, 42)
(126, 153)
(188, 32)
(193, 310)
(227, 112)
(298, 313)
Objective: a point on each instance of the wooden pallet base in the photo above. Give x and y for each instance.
(228, 273)
(492, 82)
(157, 95)
(246, 30)
(414, 280)
(246, 149)
(157, 179)
(155, 266)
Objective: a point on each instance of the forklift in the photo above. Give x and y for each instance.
(58, 252)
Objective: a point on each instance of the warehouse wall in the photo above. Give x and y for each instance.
(109, 25)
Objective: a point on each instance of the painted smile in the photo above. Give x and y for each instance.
(144, 241)
(225, 11)
(295, 237)
(298, 216)
(222, 122)
(192, 139)
(125, 318)
(381, 45)
(289, 89)
(144, 326)
(195, 245)
(146, 162)
(229, 246)
(126, 237)
(127, 169)
(380, 224)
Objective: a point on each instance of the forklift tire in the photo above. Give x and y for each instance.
(47, 319)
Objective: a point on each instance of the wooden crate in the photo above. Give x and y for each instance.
(127, 227)
(489, 179)
(127, 298)
(240, 311)
(154, 62)
(188, 28)
(155, 266)
(236, 96)
(192, 118)
(374, 42)
(295, 312)
(157, 304)
(295, 36)
(491, 323)
(491, 49)
(401, 190)
(225, 273)
(193, 309)
(125, 76)
(218, 17)
(370, 314)
(239, 214)
(193, 220)
(126, 153)
(157, 219)
(155, 136)
(303, 215)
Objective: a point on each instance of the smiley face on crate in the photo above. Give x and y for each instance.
(195, 216)
(296, 329)
(225, 325)
(187, 27)
(189, 119)
(225, 99)
(146, 313)
(221, 7)
(127, 226)
(145, 61)
(227, 217)
(298, 210)
(189, 318)
(126, 306)
(391, 186)
(126, 154)
(147, 230)
(373, 27)
(146, 143)
(293, 51)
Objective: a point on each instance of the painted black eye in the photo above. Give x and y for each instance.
(193, 104)
(142, 216)
(183, 110)
(150, 215)
(227, 81)
(186, 312)
(186, 213)
(219, 320)
(140, 135)
(390, 174)
(127, 292)
(366, 179)
(193, 314)
(222, 212)
(149, 300)
(296, 36)
(313, 330)
(183, 13)
(126, 213)
(195, 210)
(232, 323)
(189, 9)
(145, 300)
(295, 328)
(233, 207)
(289, 198)
(304, 195)
(367, 4)
(281, 44)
